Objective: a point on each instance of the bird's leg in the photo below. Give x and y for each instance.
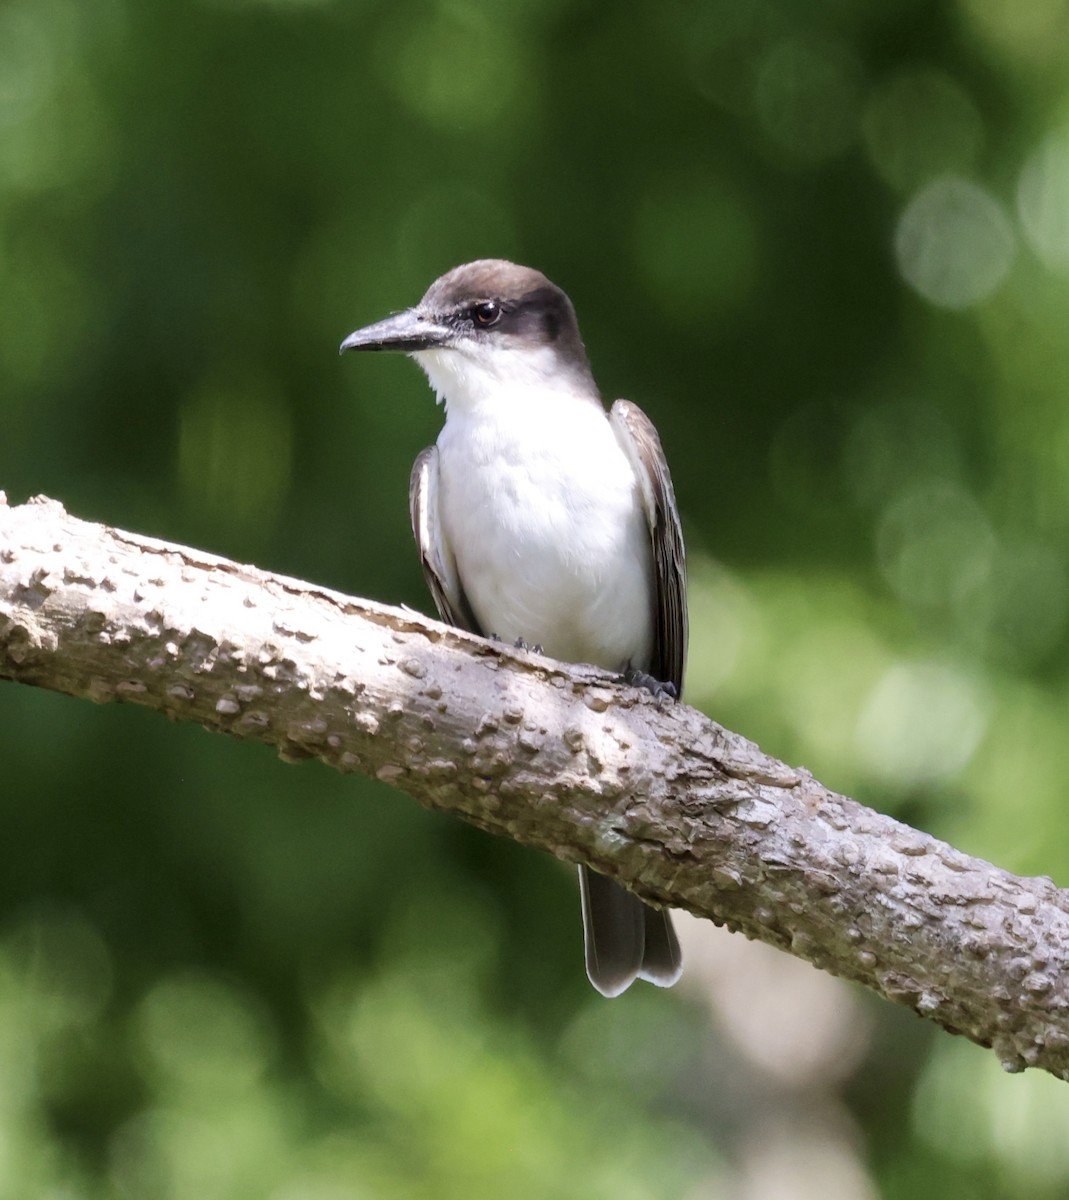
(658, 688)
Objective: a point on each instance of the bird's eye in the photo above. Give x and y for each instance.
(486, 313)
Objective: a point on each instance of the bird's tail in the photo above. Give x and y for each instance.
(624, 938)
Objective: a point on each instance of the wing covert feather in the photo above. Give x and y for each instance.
(638, 436)
(439, 568)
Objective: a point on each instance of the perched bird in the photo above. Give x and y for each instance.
(542, 519)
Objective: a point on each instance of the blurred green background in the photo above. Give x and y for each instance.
(826, 247)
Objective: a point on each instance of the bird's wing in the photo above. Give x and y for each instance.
(439, 567)
(637, 435)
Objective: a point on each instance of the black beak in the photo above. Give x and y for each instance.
(405, 331)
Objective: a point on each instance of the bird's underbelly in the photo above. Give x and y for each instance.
(560, 561)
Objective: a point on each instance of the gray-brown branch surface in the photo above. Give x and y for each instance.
(561, 757)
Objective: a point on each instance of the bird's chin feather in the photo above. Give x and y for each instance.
(469, 374)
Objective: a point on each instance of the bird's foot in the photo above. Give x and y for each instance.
(658, 688)
(520, 644)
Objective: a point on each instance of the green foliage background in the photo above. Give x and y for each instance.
(826, 247)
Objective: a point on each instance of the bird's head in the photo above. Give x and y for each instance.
(487, 328)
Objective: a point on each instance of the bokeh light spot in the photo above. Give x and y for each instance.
(723, 621)
(920, 124)
(199, 1147)
(296, 6)
(1023, 1128)
(203, 1035)
(1043, 200)
(800, 1024)
(457, 70)
(64, 966)
(1019, 612)
(922, 722)
(722, 41)
(934, 544)
(28, 66)
(806, 97)
(639, 1046)
(954, 243)
(1032, 30)
(54, 129)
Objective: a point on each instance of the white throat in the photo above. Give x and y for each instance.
(469, 376)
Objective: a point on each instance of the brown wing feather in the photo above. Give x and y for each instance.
(639, 438)
(435, 556)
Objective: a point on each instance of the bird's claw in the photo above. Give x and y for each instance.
(520, 644)
(658, 688)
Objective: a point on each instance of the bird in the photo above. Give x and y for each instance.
(545, 520)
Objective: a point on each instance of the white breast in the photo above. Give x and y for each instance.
(541, 509)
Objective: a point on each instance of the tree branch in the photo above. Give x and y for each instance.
(561, 757)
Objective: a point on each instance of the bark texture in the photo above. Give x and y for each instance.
(660, 797)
